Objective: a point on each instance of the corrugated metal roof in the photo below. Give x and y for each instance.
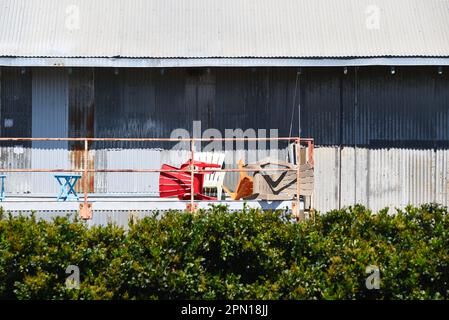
(224, 28)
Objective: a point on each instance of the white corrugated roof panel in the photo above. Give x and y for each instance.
(224, 28)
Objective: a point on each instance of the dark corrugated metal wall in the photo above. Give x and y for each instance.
(15, 121)
(49, 119)
(81, 117)
(367, 108)
(405, 109)
(409, 106)
(16, 103)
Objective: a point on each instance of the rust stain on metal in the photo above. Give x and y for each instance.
(77, 161)
(81, 120)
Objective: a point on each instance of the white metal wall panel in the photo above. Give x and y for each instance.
(442, 175)
(14, 158)
(326, 171)
(379, 178)
(118, 182)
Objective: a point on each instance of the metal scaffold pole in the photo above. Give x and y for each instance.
(85, 207)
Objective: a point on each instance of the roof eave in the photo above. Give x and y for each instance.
(219, 62)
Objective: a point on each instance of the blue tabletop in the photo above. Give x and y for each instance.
(67, 176)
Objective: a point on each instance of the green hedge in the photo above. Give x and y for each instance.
(218, 254)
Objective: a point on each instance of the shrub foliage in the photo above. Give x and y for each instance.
(216, 254)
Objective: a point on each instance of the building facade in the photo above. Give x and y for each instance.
(381, 133)
(367, 80)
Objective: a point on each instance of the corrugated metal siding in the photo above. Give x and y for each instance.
(380, 178)
(399, 125)
(216, 28)
(15, 121)
(16, 158)
(320, 102)
(49, 119)
(327, 176)
(406, 106)
(254, 98)
(100, 218)
(117, 182)
(148, 183)
(81, 119)
(16, 103)
(378, 109)
(50, 108)
(442, 176)
(153, 103)
(410, 106)
(139, 103)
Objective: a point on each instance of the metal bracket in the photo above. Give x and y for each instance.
(192, 207)
(86, 211)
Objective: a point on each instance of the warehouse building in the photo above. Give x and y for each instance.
(367, 80)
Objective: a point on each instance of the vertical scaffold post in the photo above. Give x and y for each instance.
(311, 149)
(85, 208)
(191, 207)
(296, 205)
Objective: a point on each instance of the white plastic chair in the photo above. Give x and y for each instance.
(292, 153)
(213, 181)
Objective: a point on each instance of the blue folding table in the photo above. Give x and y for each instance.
(67, 183)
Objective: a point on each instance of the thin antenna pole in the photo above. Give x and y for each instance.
(299, 105)
(294, 102)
